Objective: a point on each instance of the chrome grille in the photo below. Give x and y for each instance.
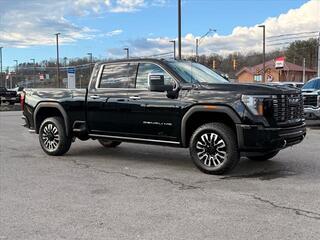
(287, 108)
(310, 100)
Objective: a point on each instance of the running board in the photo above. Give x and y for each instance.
(155, 141)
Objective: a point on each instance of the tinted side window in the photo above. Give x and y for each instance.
(118, 76)
(145, 69)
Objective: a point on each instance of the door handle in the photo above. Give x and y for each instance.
(94, 96)
(134, 97)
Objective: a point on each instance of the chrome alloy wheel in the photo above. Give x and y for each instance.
(50, 137)
(211, 149)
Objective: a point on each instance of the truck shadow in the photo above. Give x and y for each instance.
(143, 156)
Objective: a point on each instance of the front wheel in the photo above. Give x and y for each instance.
(213, 148)
(264, 157)
(53, 138)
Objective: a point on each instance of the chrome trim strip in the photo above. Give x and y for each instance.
(272, 129)
(135, 139)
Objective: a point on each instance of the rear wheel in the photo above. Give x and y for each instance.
(213, 148)
(264, 157)
(109, 143)
(53, 138)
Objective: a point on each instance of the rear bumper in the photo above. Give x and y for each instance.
(311, 113)
(258, 139)
(9, 99)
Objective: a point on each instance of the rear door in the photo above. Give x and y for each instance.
(108, 104)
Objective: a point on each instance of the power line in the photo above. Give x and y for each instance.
(291, 34)
(288, 38)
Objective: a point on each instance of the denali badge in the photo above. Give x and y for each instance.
(293, 101)
(157, 123)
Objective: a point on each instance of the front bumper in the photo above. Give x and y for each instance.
(311, 113)
(258, 139)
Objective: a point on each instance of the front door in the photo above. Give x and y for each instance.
(153, 115)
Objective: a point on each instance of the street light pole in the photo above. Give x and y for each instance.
(127, 49)
(16, 72)
(174, 48)
(179, 29)
(198, 41)
(319, 55)
(1, 65)
(304, 70)
(58, 67)
(264, 52)
(34, 71)
(90, 54)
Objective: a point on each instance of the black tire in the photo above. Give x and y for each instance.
(206, 144)
(53, 138)
(264, 157)
(108, 143)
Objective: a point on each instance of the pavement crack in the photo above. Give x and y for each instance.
(181, 185)
(298, 211)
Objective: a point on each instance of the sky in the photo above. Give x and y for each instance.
(105, 27)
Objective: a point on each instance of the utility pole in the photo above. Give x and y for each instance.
(34, 71)
(58, 67)
(174, 48)
(91, 60)
(127, 50)
(264, 52)
(304, 71)
(179, 29)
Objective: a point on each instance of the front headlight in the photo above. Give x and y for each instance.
(255, 103)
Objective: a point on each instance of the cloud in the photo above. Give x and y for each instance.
(242, 39)
(113, 33)
(29, 23)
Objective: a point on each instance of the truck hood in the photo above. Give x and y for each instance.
(315, 91)
(253, 89)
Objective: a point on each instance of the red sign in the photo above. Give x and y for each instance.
(41, 77)
(279, 63)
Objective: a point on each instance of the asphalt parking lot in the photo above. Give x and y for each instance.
(151, 192)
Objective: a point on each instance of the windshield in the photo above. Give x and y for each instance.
(196, 73)
(313, 84)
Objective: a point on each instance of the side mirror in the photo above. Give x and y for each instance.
(156, 83)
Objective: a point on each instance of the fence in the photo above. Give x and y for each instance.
(45, 77)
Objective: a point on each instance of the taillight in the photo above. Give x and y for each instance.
(22, 98)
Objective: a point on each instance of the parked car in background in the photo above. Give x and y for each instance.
(9, 96)
(289, 84)
(175, 103)
(311, 99)
(19, 91)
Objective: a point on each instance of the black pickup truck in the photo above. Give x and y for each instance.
(173, 103)
(8, 96)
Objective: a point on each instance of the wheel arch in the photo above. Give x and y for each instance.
(50, 109)
(224, 112)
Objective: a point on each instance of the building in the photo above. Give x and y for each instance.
(289, 73)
